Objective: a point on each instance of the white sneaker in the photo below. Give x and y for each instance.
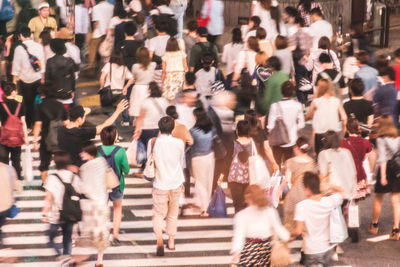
(124, 123)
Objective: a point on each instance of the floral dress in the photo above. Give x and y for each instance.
(174, 73)
(239, 172)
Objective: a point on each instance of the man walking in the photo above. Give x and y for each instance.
(169, 153)
(38, 23)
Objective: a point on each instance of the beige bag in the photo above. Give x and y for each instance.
(280, 255)
(112, 180)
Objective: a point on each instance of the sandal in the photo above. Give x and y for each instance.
(373, 228)
(204, 215)
(395, 234)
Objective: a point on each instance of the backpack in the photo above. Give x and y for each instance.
(393, 165)
(6, 11)
(33, 60)
(111, 160)
(219, 83)
(12, 132)
(66, 81)
(71, 211)
(204, 50)
(51, 140)
(335, 82)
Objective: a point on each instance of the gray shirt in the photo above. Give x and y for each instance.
(285, 56)
(387, 147)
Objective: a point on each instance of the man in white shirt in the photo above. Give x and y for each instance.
(82, 25)
(291, 111)
(101, 16)
(319, 27)
(169, 153)
(28, 78)
(312, 215)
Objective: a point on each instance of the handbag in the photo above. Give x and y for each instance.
(279, 134)
(106, 95)
(27, 164)
(280, 254)
(106, 47)
(353, 214)
(218, 147)
(272, 190)
(218, 85)
(149, 171)
(337, 226)
(13, 211)
(217, 206)
(131, 152)
(258, 171)
(112, 180)
(203, 21)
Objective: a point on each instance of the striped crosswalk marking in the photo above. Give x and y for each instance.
(199, 241)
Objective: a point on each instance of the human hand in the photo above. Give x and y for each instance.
(124, 91)
(235, 258)
(35, 146)
(122, 105)
(137, 134)
(275, 166)
(384, 181)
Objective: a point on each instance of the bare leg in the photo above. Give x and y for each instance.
(117, 217)
(43, 175)
(100, 255)
(377, 207)
(372, 157)
(396, 209)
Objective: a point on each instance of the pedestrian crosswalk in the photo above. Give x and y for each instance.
(199, 241)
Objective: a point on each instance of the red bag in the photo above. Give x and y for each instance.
(12, 132)
(203, 21)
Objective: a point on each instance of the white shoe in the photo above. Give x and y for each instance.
(335, 257)
(124, 123)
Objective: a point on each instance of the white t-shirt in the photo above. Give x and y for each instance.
(319, 29)
(56, 187)
(93, 175)
(154, 110)
(158, 44)
(204, 80)
(119, 75)
(229, 55)
(316, 215)
(114, 21)
(81, 24)
(102, 13)
(326, 116)
(246, 58)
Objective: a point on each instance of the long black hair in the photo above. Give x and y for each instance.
(306, 5)
(203, 122)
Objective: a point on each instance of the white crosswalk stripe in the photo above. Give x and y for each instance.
(199, 241)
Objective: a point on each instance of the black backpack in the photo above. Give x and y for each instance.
(71, 208)
(393, 165)
(110, 159)
(56, 122)
(204, 49)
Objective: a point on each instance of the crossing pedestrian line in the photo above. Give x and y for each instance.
(199, 241)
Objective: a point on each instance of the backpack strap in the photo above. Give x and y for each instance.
(59, 178)
(101, 151)
(337, 78)
(115, 150)
(6, 108)
(325, 76)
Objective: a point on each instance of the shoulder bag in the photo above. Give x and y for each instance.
(393, 164)
(279, 134)
(149, 171)
(258, 171)
(106, 96)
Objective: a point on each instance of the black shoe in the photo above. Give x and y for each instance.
(353, 234)
(160, 251)
(302, 259)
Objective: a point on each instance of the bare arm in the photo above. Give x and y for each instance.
(270, 156)
(37, 128)
(102, 79)
(343, 117)
(129, 83)
(298, 230)
(138, 126)
(185, 65)
(164, 67)
(370, 120)
(120, 107)
(310, 113)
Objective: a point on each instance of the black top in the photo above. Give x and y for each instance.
(12, 106)
(332, 73)
(361, 109)
(48, 110)
(259, 137)
(71, 141)
(129, 48)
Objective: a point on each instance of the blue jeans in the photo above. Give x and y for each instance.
(179, 12)
(146, 136)
(66, 229)
(319, 260)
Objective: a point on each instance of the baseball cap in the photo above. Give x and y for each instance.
(43, 5)
(202, 31)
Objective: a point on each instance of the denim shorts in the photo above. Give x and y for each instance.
(115, 194)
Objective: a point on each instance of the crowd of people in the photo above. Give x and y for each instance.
(201, 114)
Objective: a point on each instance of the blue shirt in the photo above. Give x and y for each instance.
(202, 142)
(385, 98)
(369, 76)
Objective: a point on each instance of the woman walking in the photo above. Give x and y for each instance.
(202, 155)
(388, 144)
(253, 230)
(108, 137)
(174, 66)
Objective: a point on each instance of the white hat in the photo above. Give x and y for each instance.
(43, 5)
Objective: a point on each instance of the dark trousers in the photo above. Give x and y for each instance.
(212, 38)
(45, 157)
(281, 154)
(3, 217)
(15, 153)
(318, 143)
(80, 40)
(29, 91)
(66, 229)
(237, 191)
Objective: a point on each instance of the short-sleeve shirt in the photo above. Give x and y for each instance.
(50, 107)
(361, 108)
(143, 76)
(102, 13)
(154, 110)
(174, 61)
(71, 141)
(158, 44)
(118, 76)
(12, 106)
(315, 215)
(129, 48)
(37, 25)
(196, 52)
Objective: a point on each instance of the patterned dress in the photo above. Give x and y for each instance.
(174, 75)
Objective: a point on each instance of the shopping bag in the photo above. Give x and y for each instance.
(141, 153)
(337, 226)
(272, 190)
(217, 207)
(131, 153)
(112, 180)
(27, 164)
(280, 254)
(354, 218)
(258, 171)
(13, 211)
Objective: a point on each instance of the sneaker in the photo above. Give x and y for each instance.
(373, 228)
(124, 123)
(335, 257)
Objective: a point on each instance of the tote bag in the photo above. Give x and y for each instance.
(131, 152)
(217, 207)
(27, 164)
(279, 134)
(337, 226)
(258, 171)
